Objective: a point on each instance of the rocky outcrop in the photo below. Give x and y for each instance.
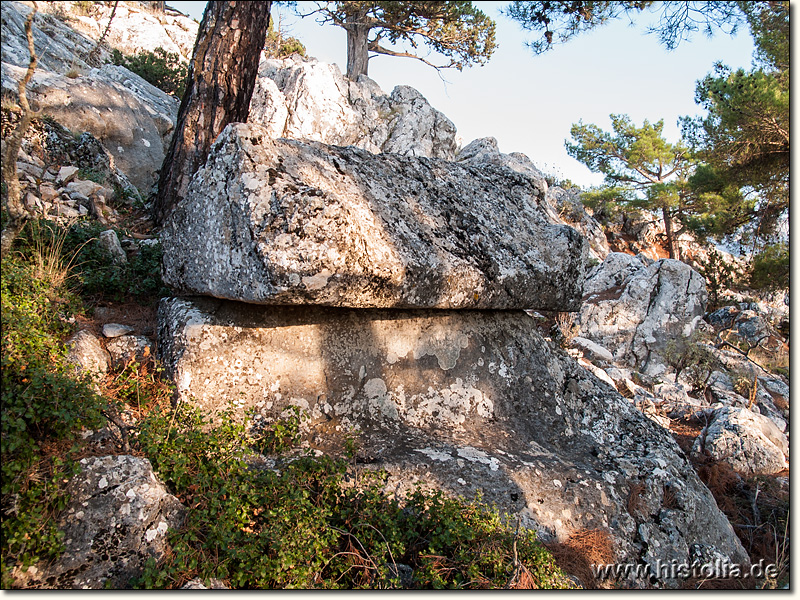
(466, 401)
(572, 212)
(283, 222)
(308, 100)
(750, 443)
(117, 518)
(87, 354)
(633, 309)
(131, 118)
(136, 28)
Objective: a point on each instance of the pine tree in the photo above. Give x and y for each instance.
(454, 29)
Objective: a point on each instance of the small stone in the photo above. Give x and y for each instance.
(66, 174)
(110, 241)
(48, 193)
(114, 330)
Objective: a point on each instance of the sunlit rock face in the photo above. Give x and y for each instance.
(309, 100)
(634, 309)
(285, 222)
(464, 401)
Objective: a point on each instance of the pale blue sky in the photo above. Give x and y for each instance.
(530, 102)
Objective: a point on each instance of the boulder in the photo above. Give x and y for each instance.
(117, 518)
(483, 151)
(134, 126)
(571, 211)
(750, 443)
(466, 401)
(309, 100)
(109, 241)
(284, 222)
(126, 348)
(86, 353)
(634, 310)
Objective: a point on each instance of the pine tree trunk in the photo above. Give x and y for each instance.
(357, 45)
(222, 76)
(671, 248)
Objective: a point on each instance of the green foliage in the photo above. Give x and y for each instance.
(280, 435)
(454, 29)
(688, 353)
(301, 526)
(160, 68)
(651, 172)
(277, 45)
(770, 268)
(746, 133)
(719, 276)
(42, 404)
(560, 21)
(98, 277)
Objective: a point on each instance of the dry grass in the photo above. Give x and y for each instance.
(584, 548)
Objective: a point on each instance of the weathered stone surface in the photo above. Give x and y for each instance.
(197, 584)
(634, 310)
(114, 330)
(110, 242)
(129, 347)
(117, 517)
(467, 401)
(135, 127)
(571, 211)
(284, 222)
(750, 443)
(308, 100)
(592, 351)
(86, 353)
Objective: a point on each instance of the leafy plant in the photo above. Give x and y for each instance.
(690, 354)
(299, 525)
(160, 68)
(43, 407)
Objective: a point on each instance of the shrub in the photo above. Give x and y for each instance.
(160, 68)
(719, 276)
(690, 354)
(300, 526)
(43, 408)
(770, 268)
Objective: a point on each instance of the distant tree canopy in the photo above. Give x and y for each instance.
(643, 169)
(745, 135)
(456, 30)
(560, 21)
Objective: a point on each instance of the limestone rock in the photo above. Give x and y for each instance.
(117, 517)
(633, 310)
(467, 401)
(284, 222)
(110, 242)
(129, 347)
(750, 443)
(592, 351)
(86, 353)
(486, 151)
(58, 46)
(114, 330)
(308, 100)
(572, 212)
(197, 584)
(133, 125)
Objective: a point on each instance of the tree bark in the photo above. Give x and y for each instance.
(221, 79)
(357, 45)
(671, 248)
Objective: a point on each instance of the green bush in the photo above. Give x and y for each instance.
(160, 68)
(300, 526)
(43, 409)
(770, 268)
(278, 46)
